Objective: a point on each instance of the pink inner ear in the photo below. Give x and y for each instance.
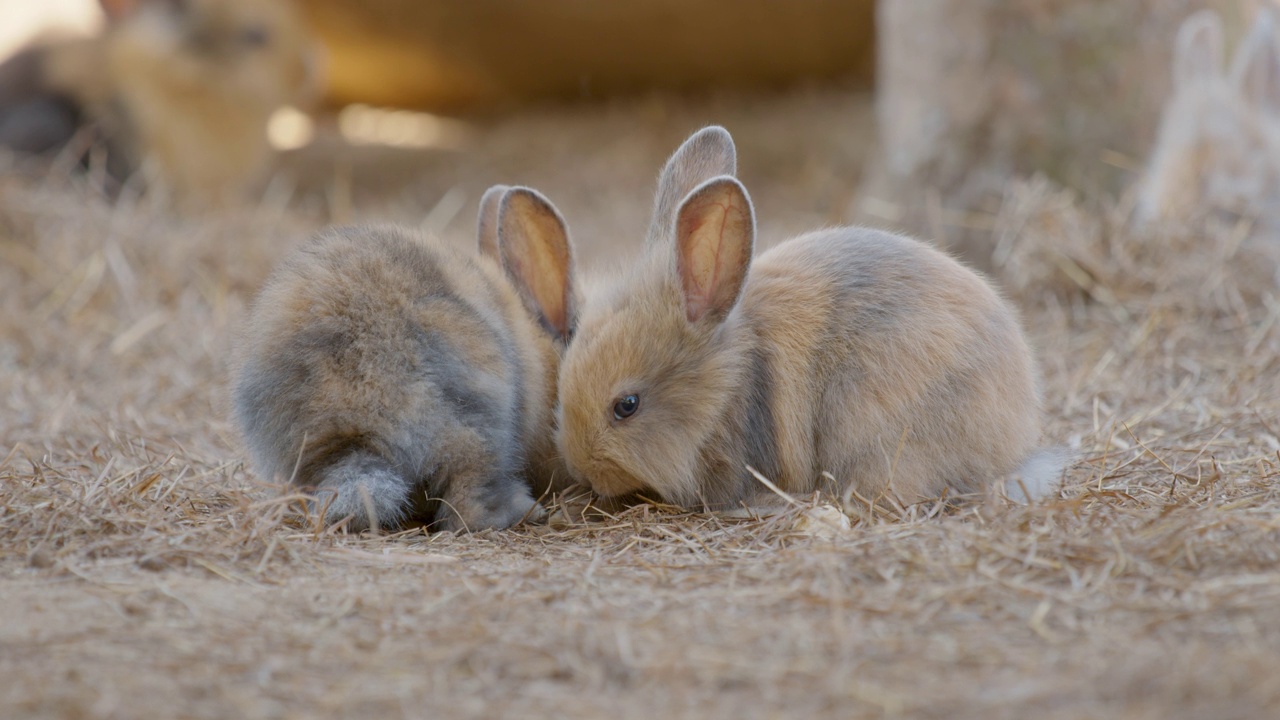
(704, 227)
(715, 245)
(543, 276)
(535, 251)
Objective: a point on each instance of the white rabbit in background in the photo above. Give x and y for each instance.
(1218, 148)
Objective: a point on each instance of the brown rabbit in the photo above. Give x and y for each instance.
(402, 379)
(851, 352)
(183, 88)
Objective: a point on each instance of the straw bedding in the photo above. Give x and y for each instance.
(145, 571)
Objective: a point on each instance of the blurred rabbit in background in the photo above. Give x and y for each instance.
(181, 89)
(1218, 148)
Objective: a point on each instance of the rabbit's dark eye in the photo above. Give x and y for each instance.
(255, 37)
(625, 406)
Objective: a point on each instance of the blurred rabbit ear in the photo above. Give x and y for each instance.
(707, 153)
(536, 254)
(1256, 69)
(487, 223)
(1198, 53)
(715, 234)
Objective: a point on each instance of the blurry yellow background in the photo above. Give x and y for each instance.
(460, 56)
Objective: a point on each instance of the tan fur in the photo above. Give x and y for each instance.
(379, 362)
(854, 352)
(1218, 147)
(185, 91)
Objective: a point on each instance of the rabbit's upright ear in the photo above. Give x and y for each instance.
(533, 241)
(1255, 71)
(487, 223)
(715, 231)
(1198, 53)
(707, 153)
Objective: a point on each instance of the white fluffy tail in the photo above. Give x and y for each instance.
(1039, 476)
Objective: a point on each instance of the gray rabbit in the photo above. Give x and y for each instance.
(402, 379)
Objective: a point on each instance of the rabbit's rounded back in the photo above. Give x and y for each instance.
(868, 356)
(1218, 143)
(386, 368)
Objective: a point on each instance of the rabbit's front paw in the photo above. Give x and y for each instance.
(495, 505)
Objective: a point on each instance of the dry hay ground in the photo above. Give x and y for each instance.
(145, 572)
